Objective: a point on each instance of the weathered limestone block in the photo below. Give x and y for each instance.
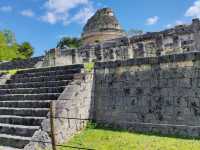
(163, 99)
(40, 141)
(4, 78)
(74, 102)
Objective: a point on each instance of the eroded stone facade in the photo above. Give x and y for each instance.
(180, 39)
(76, 101)
(101, 27)
(159, 95)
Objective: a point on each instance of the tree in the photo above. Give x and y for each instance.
(7, 53)
(25, 50)
(10, 36)
(69, 42)
(10, 53)
(11, 50)
(134, 32)
(3, 47)
(2, 40)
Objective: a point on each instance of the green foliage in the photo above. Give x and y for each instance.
(9, 36)
(10, 72)
(101, 139)
(2, 40)
(91, 125)
(10, 50)
(89, 66)
(6, 52)
(69, 42)
(26, 49)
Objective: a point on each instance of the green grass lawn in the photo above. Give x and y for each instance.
(101, 139)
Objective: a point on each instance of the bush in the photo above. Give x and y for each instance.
(89, 67)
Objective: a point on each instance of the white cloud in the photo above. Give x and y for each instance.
(194, 10)
(27, 13)
(83, 15)
(179, 22)
(152, 20)
(52, 18)
(6, 8)
(59, 11)
(62, 6)
(176, 23)
(169, 26)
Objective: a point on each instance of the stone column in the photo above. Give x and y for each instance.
(114, 54)
(159, 43)
(78, 59)
(196, 31)
(130, 50)
(92, 54)
(102, 55)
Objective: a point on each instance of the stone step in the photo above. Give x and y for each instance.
(35, 84)
(78, 66)
(46, 73)
(18, 130)
(25, 101)
(41, 79)
(14, 141)
(36, 112)
(20, 120)
(8, 148)
(43, 96)
(32, 90)
(26, 104)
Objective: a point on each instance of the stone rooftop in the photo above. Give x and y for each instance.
(103, 20)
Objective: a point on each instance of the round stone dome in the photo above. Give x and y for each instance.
(101, 27)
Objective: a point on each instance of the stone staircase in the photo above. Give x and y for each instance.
(25, 101)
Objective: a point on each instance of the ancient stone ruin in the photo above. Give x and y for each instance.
(180, 39)
(101, 27)
(147, 83)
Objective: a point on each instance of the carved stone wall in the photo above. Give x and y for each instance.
(102, 26)
(76, 101)
(181, 39)
(21, 64)
(158, 94)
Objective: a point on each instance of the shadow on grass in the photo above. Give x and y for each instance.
(74, 147)
(110, 127)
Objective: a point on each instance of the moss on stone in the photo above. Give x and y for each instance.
(89, 67)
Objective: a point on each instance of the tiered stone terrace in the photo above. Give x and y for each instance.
(25, 99)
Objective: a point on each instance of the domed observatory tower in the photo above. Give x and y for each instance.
(101, 27)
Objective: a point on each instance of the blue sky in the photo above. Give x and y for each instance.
(44, 22)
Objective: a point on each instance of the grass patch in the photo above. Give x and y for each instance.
(10, 72)
(13, 71)
(101, 139)
(89, 66)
